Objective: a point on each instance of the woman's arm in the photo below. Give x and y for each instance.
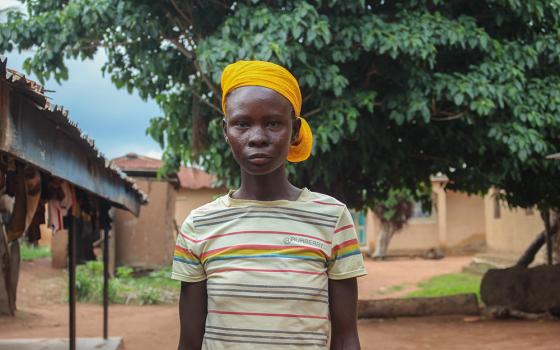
(343, 300)
(193, 309)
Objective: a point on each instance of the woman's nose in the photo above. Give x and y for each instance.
(258, 137)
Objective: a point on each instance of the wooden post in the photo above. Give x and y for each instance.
(72, 281)
(105, 283)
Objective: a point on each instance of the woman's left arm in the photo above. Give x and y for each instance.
(343, 300)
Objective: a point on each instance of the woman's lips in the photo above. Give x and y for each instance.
(259, 159)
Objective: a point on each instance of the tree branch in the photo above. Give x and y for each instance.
(313, 112)
(450, 117)
(188, 19)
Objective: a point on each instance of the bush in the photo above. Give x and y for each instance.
(155, 288)
(30, 252)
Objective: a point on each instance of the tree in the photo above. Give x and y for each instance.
(394, 90)
(393, 214)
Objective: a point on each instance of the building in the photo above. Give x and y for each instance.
(455, 223)
(460, 223)
(147, 241)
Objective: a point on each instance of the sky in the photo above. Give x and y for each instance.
(115, 119)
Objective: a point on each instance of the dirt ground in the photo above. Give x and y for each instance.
(43, 313)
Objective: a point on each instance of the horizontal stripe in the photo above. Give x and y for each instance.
(265, 314)
(345, 244)
(262, 256)
(325, 203)
(245, 209)
(266, 292)
(243, 213)
(268, 217)
(253, 232)
(263, 250)
(259, 247)
(260, 336)
(266, 331)
(261, 342)
(265, 286)
(356, 252)
(343, 228)
(190, 262)
(266, 297)
(185, 254)
(266, 271)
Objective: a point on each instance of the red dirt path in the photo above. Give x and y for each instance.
(43, 313)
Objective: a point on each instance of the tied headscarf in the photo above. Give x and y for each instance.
(277, 78)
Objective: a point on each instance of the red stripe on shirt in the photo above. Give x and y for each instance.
(343, 228)
(260, 246)
(266, 270)
(345, 244)
(325, 203)
(249, 232)
(265, 314)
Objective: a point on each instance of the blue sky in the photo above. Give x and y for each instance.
(115, 119)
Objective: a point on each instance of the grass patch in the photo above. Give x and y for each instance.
(449, 284)
(153, 288)
(391, 289)
(29, 252)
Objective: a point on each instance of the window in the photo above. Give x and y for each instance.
(359, 218)
(419, 212)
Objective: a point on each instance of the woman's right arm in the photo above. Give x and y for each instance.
(193, 308)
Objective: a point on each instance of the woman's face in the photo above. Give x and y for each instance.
(259, 127)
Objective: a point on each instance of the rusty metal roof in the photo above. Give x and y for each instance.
(40, 133)
(189, 177)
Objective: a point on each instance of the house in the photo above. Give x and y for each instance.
(147, 241)
(460, 223)
(455, 223)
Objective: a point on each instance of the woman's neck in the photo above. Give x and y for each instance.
(269, 187)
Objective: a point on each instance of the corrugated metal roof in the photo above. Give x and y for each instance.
(35, 93)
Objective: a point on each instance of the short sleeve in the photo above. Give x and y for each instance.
(186, 264)
(346, 258)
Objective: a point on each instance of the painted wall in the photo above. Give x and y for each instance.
(465, 218)
(147, 241)
(513, 231)
(187, 200)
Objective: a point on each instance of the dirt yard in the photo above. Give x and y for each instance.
(43, 313)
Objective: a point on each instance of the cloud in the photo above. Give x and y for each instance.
(116, 120)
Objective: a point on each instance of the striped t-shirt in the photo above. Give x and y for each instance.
(267, 265)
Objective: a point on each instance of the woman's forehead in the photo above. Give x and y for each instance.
(249, 96)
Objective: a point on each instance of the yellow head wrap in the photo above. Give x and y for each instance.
(277, 78)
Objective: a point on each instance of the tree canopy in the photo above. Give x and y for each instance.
(395, 91)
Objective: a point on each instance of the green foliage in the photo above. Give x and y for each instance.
(124, 288)
(449, 284)
(395, 91)
(30, 252)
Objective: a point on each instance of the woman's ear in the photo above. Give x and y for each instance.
(296, 126)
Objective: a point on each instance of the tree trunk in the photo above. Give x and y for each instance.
(527, 258)
(461, 304)
(385, 234)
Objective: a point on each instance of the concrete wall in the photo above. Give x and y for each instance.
(147, 241)
(464, 224)
(187, 200)
(465, 218)
(513, 231)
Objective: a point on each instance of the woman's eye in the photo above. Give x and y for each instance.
(242, 124)
(273, 124)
